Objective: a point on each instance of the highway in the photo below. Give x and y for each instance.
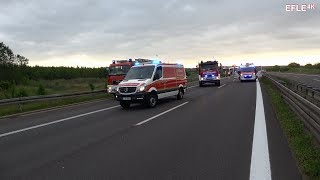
(312, 80)
(226, 132)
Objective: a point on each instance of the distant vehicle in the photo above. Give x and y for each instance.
(116, 73)
(149, 81)
(208, 73)
(247, 72)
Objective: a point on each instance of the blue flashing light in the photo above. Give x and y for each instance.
(156, 62)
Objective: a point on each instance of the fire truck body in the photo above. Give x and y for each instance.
(117, 71)
(208, 73)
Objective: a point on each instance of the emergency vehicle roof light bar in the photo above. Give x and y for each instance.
(121, 61)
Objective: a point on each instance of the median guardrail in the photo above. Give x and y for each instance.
(307, 110)
(46, 97)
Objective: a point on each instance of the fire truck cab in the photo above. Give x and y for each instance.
(209, 73)
(150, 80)
(117, 71)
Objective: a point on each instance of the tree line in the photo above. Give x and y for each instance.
(14, 67)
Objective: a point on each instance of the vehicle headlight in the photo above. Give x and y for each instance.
(202, 78)
(141, 88)
(117, 89)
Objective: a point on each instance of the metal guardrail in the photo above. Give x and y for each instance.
(54, 96)
(45, 97)
(309, 112)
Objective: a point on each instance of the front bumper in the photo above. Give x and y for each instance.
(136, 97)
(248, 77)
(209, 80)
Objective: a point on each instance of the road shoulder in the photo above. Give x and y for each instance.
(283, 165)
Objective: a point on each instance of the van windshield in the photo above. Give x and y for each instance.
(140, 72)
(247, 69)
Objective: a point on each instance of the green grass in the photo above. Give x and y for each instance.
(60, 86)
(26, 107)
(302, 143)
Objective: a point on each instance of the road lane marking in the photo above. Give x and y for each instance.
(153, 117)
(316, 79)
(221, 86)
(55, 122)
(192, 87)
(260, 163)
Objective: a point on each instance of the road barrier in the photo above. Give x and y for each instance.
(307, 110)
(22, 100)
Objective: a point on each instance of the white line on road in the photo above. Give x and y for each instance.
(54, 122)
(149, 119)
(192, 87)
(221, 86)
(316, 79)
(260, 163)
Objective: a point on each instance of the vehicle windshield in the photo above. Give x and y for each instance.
(208, 66)
(118, 70)
(140, 72)
(247, 69)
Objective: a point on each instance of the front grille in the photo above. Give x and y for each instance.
(127, 89)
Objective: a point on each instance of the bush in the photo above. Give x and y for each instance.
(294, 65)
(4, 85)
(92, 87)
(308, 65)
(316, 66)
(22, 93)
(41, 90)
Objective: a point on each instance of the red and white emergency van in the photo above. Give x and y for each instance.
(247, 72)
(147, 82)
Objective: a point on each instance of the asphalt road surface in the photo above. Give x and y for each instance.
(312, 80)
(224, 132)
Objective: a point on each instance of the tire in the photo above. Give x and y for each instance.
(200, 84)
(218, 83)
(152, 100)
(125, 104)
(180, 94)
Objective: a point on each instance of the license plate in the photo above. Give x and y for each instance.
(126, 98)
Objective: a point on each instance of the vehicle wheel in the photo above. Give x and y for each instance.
(180, 94)
(200, 84)
(151, 100)
(218, 83)
(124, 104)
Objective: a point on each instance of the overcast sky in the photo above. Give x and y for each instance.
(93, 32)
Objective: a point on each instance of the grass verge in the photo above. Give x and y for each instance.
(301, 142)
(26, 107)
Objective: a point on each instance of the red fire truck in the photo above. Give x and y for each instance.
(117, 71)
(209, 73)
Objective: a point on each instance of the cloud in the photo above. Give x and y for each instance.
(191, 30)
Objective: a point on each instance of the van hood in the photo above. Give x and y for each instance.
(135, 82)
